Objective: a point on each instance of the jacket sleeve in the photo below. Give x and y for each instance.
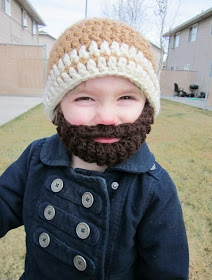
(161, 235)
(12, 186)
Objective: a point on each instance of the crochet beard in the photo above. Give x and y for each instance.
(78, 139)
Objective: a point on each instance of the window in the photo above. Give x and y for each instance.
(6, 6)
(24, 19)
(34, 28)
(187, 67)
(192, 33)
(176, 40)
(174, 68)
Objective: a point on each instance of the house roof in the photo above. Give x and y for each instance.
(44, 33)
(190, 22)
(27, 6)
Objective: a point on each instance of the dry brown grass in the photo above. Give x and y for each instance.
(181, 141)
(14, 138)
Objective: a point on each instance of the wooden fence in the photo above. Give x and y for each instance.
(22, 69)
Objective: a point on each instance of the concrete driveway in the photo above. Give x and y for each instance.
(13, 106)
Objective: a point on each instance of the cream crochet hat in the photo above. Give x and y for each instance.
(95, 48)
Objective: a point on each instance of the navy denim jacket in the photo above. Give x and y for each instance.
(123, 224)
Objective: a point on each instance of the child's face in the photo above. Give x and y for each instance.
(108, 100)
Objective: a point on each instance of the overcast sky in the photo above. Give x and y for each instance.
(59, 14)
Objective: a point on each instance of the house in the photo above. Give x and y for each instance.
(46, 39)
(156, 53)
(23, 61)
(19, 22)
(189, 60)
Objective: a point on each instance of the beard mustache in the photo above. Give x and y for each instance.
(78, 139)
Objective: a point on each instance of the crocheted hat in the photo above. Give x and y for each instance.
(95, 48)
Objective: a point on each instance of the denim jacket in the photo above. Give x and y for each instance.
(123, 224)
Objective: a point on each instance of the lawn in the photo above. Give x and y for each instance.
(181, 140)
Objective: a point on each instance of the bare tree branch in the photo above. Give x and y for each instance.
(128, 11)
(150, 17)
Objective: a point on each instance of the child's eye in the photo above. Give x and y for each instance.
(127, 97)
(83, 98)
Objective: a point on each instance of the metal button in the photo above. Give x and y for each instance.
(57, 185)
(115, 185)
(87, 199)
(49, 212)
(82, 230)
(80, 263)
(44, 240)
(153, 167)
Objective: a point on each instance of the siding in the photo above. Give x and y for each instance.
(22, 67)
(48, 41)
(157, 54)
(11, 30)
(4, 28)
(198, 54)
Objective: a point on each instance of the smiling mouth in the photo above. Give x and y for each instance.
(106, 140)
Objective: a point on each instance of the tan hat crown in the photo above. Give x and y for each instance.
(96, 48)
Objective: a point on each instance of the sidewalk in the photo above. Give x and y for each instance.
(13, 106)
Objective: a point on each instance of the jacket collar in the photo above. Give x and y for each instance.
(54, 153)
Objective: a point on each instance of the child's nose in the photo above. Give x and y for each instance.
(106, 115)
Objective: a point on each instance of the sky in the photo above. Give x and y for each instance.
(60, 14)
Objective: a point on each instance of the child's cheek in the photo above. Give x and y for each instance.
(78, 119)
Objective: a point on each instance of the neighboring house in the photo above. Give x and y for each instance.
(23, 64)
(48, 40)
(19, 22)
(190, 50)
(157, 54)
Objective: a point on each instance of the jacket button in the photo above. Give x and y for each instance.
(80, 263)
(87, 199)
(115, 185)
(57, 185)
(49, 212)
(44, 240)
(82, 230)
(153, 167)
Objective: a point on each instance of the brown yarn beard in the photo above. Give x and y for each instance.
(78, 139)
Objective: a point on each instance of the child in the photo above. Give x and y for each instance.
(94, 202)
